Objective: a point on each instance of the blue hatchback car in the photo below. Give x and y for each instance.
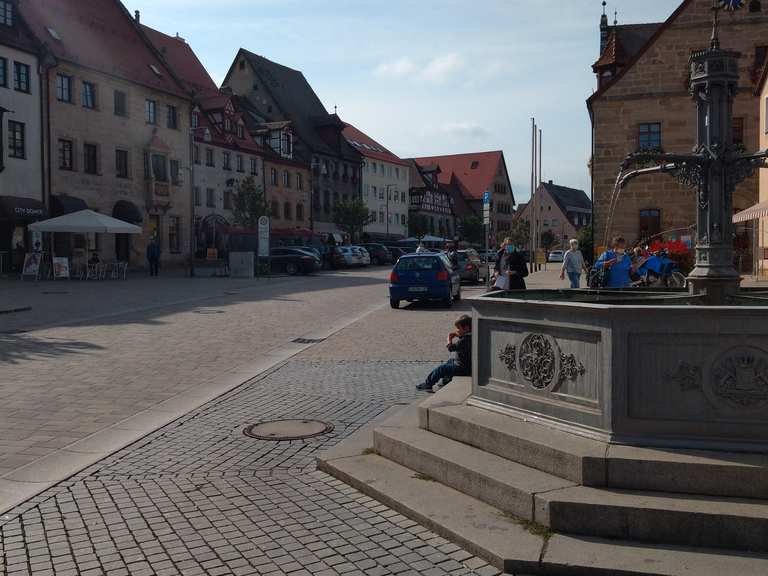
(418, 277)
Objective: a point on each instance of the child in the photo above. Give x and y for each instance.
(459, 342)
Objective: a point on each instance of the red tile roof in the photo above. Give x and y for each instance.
(99, 34)
(368, 147)
(184, 62)
(474, 173)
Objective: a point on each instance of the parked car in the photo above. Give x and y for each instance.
(380, 254)
(351, 258)
(331, 257)
(365, 257)
(310, 249)
(418, 277)
(293, 261)
(397, 251)
(555, 256)
(470, 266)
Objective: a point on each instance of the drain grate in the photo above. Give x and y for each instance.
(49, 292)
(288, 429)
(307, 340)
(209, 311)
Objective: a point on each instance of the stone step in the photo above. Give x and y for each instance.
(563, 506)
(656, 517)
(487, 532)
(504, 484)
(594, 463)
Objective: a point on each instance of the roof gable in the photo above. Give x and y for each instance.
(475, 172)
(567, 198)
(368, 147)
(101, 35)
(183, 60)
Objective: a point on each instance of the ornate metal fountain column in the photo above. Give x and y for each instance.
(714, 80)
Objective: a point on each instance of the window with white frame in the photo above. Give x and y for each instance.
(21, 77)
(6, 13)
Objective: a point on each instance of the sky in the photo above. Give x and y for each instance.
(428, 77)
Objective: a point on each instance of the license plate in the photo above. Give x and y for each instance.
(418, 289)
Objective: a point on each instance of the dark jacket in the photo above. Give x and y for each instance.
(463, 349)
(516, 263)
(153, 251)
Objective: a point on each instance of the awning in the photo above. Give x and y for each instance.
(65, 204)
(127, 211)
(17, 208)
(83, 222)
(752, 213)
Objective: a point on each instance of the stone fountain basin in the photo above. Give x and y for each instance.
(628, 367)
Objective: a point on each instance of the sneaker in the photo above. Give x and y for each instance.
(424, 386)
(437, 387)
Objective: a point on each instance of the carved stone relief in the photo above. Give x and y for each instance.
(687, 377)
(540, 362)
(739, 379)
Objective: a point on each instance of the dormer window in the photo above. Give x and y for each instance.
(227, 125)
(6, 13)
(240, 131)
(474, 165)
(195, 120)
(286, 145)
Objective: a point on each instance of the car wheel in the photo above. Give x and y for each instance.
(291, 268)
(394, 304)
(375, 261)
(449, 301)
(457, 298)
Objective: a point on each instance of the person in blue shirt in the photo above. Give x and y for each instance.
(616, 264)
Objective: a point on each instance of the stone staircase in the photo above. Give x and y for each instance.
(534, 500)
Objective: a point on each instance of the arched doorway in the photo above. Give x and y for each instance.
(128, 212)
(213, 233)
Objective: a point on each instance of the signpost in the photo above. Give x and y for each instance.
(263, 237)
(486, 225)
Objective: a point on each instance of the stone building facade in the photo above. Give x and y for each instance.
(119, 137)
(287, 183)
(278, 94)
(643, 102)
(563, 211)
(22, 196)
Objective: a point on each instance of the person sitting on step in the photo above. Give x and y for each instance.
(460, 343)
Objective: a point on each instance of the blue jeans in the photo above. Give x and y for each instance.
(444, 372)
(575, 278)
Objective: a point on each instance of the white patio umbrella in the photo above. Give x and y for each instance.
(85, 221)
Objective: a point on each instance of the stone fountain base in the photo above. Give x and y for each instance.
(671, 375)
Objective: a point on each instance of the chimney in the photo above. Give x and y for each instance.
(137, 17)
(550, 182)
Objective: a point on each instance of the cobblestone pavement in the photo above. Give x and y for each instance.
(199, 497)
(62, 383)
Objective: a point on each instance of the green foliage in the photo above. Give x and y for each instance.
(547, 239)
(418, 226)
(352, 216)
(473, 230)
(587, 243)
(520, 232)
(249, 204)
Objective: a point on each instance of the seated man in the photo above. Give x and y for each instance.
(459, 342)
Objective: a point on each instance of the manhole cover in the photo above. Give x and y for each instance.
(209, 311)
(307, 340)
(293, 429)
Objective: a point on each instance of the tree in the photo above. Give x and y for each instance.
(473, 230)
(547, 239)
(587, 243)
(418, 225)
(351, 216)
(520, 232)
(249, 204)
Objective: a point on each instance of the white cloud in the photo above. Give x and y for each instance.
(440, 69)
(435, 71)
(396, 69)
(465, 129)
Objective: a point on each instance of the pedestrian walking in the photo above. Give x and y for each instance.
(460, 343)
(153, 257)
(573, 264)
(511, 268)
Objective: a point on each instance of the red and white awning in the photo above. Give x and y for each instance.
(752, 213)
